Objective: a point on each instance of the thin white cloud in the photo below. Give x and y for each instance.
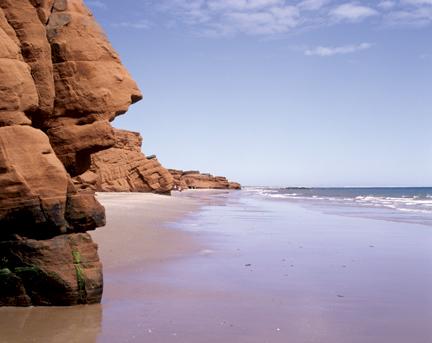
(141, 24)
(230, 17)
(327, 51)
(241, 5)
(262, 17)
(387, 4)
(419, 16)
(277, 17)
(274, 20)
(96, 4)
(312, 5)
(417, 2)
(353, 12)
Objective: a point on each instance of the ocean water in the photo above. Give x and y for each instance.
(402, 204)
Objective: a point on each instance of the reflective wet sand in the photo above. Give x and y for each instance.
(249, 270)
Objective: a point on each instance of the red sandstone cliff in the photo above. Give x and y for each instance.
(61, 83)
(124, 168)
(196, 180)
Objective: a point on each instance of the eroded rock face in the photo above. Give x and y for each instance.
(92, 87)
(61, 83)
(64, 270)
(18, 94)
(34, 184)
(195, 180)
(124, 168)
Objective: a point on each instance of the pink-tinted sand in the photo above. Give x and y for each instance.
(225, 267)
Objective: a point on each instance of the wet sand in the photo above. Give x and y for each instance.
(137, 237)
(137, 232)
(226, 267)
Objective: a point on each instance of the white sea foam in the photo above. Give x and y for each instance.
(419, 204)
(406, 204)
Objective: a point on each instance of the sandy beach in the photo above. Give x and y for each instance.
(137, 233)
(136, 238)
(230, 267)
(272, 182)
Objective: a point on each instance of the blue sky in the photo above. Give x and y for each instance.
(281, 92)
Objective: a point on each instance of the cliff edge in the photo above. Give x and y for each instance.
(61, 83)
(124, 168)
(193, 179)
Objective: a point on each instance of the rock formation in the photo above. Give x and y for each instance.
(235, 185)
(195, 180)
(124, 168)
(61, 83)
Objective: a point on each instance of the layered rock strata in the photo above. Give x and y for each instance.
(124, 168)
(196, 180)
(61, 83)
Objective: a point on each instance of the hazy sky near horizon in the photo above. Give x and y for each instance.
(281, 92)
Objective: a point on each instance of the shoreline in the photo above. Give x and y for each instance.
(149, 233)
(212, 266)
